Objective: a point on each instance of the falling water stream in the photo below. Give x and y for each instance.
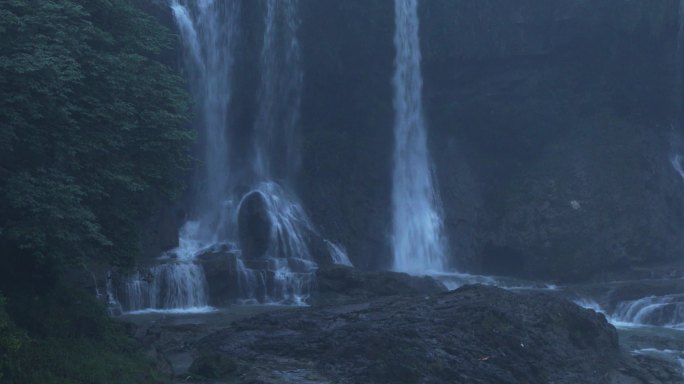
(417, 231)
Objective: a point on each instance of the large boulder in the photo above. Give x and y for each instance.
(254, 225)
(220, 270)
(476, 334)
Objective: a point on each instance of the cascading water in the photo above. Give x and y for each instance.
(665, 311)
(176, 284)
(338, 254)
(284, 270)
(277, 266)
(417, 230)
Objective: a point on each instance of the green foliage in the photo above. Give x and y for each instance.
(92, 126)
(11, 340)
(58, 361)
(71, 341)
(93, 133)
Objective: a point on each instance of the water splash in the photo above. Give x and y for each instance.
(417, 229)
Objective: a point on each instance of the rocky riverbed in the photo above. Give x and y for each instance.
(476, 334)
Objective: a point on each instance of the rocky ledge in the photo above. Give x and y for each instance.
(475, 334)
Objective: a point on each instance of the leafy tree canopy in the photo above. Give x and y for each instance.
(92, 127)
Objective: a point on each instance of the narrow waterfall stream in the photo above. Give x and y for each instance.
(418, 242)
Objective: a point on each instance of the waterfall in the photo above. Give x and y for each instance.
(179, 286)
(279, 267)
(284, 272)
(265, 232)
(417, 234)
(209, 30)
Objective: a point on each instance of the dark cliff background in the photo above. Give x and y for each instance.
(550, 128)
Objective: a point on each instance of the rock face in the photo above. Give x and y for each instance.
(476, 334)
(549, 125)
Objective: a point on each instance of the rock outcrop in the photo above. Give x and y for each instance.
(339, 284)
(476, 334)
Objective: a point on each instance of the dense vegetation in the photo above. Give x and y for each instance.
(92, 135)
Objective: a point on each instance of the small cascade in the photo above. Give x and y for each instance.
(179, 285)
(417, 230)
(338, 254)
(667, 311)
(275, 281)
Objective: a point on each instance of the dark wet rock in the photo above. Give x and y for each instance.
(254, 225)
(173, 342)
(476, 334)
(160, 231)
(338, 284)
(220, 271)
(212, 366)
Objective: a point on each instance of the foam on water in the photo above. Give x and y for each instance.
(173, 311)
(669, 355)
(454, 280)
